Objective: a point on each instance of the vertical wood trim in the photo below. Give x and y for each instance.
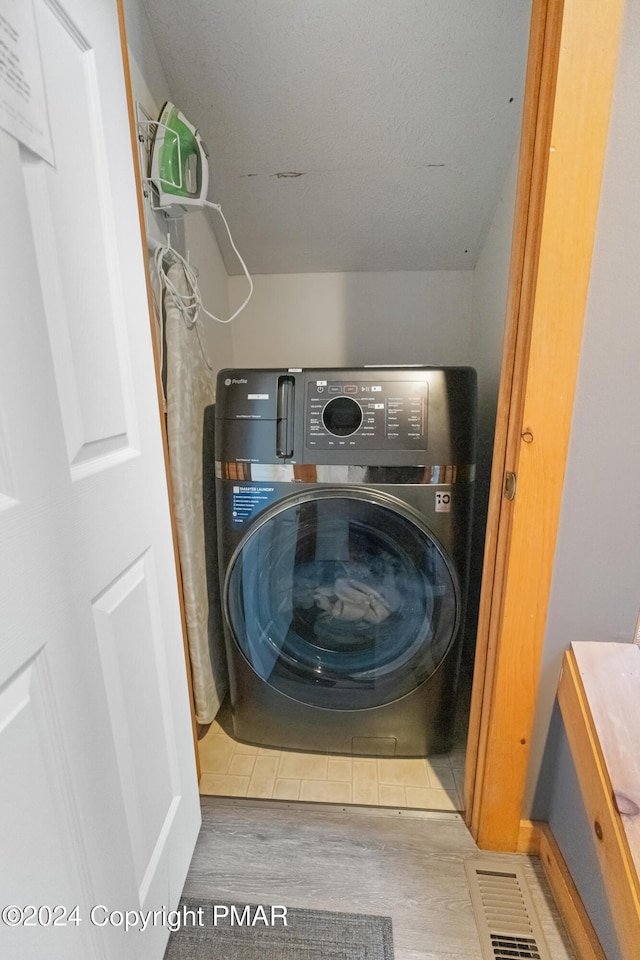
(567, 898)
(546, 16)
(156, 361)
(542, 401)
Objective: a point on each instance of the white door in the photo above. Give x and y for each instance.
(98, 792)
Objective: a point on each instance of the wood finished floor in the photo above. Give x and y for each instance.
(345, 860)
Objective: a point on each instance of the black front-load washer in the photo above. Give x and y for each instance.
(344, 502)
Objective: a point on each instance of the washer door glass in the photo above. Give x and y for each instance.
(343, 602)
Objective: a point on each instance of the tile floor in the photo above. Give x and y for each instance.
(234, 769)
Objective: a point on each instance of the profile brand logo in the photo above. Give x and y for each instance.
(241, 380)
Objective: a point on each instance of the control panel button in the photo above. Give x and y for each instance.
(350, 388)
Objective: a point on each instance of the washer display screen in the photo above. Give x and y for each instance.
(341, 602)
(342, 416)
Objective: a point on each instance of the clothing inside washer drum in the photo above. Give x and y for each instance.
(348, 597)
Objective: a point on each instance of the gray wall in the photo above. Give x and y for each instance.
(489, 301)
(595, 592)
(342, 319)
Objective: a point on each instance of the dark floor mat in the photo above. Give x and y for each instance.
(242, 934)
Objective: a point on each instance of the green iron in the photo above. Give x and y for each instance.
(179, 168)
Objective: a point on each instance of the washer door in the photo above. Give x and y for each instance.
(342, 600)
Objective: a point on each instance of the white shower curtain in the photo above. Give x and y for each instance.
(190, 387)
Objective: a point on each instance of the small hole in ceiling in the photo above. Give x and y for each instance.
(284, 174)
(510, 99)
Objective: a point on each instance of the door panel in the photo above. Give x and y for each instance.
(130, 639)
(38, 826)
(72, 213)
(99, 794)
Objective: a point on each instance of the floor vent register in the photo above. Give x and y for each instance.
(506, 918)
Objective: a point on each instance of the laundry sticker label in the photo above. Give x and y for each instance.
(247, 501)
(443, 502)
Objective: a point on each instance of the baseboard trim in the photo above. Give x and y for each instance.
(568, 901)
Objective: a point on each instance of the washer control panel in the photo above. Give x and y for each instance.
(366, 414)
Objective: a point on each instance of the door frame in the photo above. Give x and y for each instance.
(569, 86)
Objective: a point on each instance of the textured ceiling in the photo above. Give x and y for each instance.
(400, 117)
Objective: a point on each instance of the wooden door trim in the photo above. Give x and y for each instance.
(532, 167)
(570, 77)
